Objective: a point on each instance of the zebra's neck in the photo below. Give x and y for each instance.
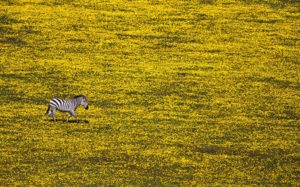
(77, 102)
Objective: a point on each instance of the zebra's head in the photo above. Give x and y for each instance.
(83, 101)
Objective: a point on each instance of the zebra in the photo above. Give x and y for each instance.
(66, 105)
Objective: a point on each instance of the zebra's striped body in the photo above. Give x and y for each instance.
(64, 105)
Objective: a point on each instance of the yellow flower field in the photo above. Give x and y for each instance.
(180, 93)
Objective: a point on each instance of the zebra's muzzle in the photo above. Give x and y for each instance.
(87, 107)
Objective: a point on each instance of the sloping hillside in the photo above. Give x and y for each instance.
(199, 92)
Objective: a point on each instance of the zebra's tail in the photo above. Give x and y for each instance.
(48, 109)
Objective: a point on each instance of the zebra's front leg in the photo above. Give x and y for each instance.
(69, 116)
(73, 114)
(53, 114)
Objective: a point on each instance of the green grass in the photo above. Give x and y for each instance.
(180, 93)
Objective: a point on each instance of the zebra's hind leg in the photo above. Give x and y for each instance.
(53, 114)
(48, 115)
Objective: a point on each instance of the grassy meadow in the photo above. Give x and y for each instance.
(180, 92)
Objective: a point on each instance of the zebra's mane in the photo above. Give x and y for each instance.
(77, 96)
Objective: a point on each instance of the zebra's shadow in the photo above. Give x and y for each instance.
(70, 121)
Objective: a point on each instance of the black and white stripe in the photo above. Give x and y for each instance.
(66, 105)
